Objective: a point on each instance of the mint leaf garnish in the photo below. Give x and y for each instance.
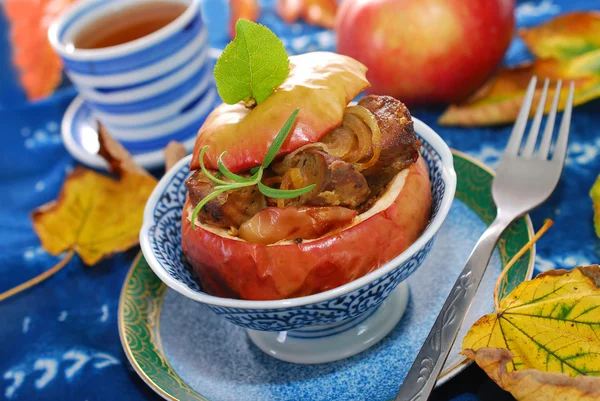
(252, 66)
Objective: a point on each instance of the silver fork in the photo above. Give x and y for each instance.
(524, 179)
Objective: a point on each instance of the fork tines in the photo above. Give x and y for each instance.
(560, 147)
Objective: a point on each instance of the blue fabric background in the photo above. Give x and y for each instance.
(59, 340)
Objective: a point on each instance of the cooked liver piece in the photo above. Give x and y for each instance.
(399, 144)
(337, 183)
(229, 209)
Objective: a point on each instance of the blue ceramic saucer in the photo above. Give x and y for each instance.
(186, 352)
(80, 135)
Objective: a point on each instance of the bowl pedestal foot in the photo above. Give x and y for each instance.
(332, 342)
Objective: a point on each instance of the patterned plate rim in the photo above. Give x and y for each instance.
(139, 314)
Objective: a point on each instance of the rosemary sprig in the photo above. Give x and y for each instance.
(238, 182)
(206, 172)
(279, 139)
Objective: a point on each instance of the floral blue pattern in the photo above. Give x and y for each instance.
(165, 240)
(347, 306)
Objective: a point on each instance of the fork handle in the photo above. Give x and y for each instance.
(423, 374)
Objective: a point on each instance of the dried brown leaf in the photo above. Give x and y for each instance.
(174, 152)
(543, 341)
(96, 215)
(117, 157)
(531, 384)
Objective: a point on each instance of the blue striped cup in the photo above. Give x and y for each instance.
(148, 91)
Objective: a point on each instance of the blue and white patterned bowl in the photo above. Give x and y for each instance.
(324, 316)
(149, 91)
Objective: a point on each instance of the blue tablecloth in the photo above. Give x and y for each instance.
(59, 340)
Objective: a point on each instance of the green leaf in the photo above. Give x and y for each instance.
(232, 176)
(279, 139)
(252, 66)
(284, 193)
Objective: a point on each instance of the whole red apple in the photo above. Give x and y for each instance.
(426, 51)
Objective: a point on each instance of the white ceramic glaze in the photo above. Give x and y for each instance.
(79, 132)
(328, 343)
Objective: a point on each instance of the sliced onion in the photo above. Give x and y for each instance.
(340, 141)
(296, 177)
(362, 148)
(369, 119)
(283, 166)
(357, 138)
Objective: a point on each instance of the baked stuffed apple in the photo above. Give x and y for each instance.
(302, 192)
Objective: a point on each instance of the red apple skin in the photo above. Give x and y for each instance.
(233, 268)
(426, 51)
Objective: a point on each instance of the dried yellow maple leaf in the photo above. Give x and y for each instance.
(595, 195)
(564, 37)
(546, 326)
(575, 56)
(95, 215)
